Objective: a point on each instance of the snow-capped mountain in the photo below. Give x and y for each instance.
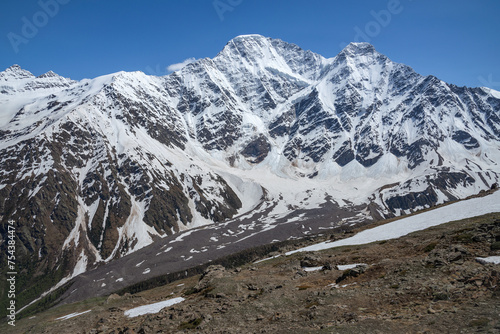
(95, 169)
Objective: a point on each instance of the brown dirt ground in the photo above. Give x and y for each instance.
(426, 282)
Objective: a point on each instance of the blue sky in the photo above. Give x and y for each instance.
(457, 41)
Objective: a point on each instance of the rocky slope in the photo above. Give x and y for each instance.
(96, 169)
(428, 281)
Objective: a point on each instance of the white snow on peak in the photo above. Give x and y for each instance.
(15, 72)
(494, 93)
(248, 36)
(49, 74)
(360, 46)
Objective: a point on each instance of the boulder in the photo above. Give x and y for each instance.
(211, 273)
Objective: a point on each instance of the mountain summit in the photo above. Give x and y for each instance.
(359, 49)
(96, 169)
(15, 72)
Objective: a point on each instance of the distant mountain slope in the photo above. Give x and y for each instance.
(95, 169)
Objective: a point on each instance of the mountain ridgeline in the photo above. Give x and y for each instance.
(95, 169)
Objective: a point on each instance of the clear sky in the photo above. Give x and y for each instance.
(456, 40)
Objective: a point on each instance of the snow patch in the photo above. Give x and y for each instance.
(456, 211)
(152, 308)
(310, 269)
(489, 259)
(349, 266)
(181, 237)
(267, 259)
(72, 315)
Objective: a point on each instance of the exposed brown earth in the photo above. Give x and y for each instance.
(426, 282)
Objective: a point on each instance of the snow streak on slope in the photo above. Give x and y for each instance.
(152, 308)
(456, 211)
(72, 315)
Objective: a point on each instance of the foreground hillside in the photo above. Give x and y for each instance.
(428, 281)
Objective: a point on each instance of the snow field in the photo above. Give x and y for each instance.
(152, 308)
(456, 211)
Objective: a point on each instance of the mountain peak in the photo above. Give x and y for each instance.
(253, 48)
(16, 72)
(266, 52)
(249, 36)
(48, 74)
(247, 41)
(14, 67)
(359, 52)
(362, 48)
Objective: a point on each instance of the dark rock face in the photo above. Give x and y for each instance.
(344, 155)
(413, 200)
(257, 150)
(369, 154)
(416, 152)
(442, 182)
(281, 126)
(221, 133)
(465, 139)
